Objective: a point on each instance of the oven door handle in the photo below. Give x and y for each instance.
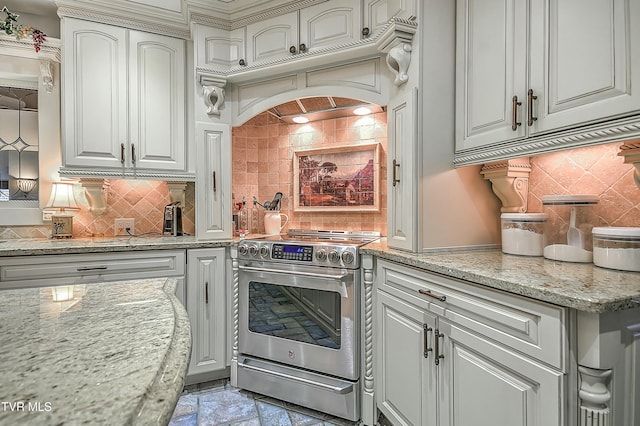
(342, 390)
(306, 274)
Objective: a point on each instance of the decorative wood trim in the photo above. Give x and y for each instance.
(595, 396)
(630, 151)
(95, 193)
(50, 50)
(235, 291)
(510, 182)
(368, 403)
(126, 174)
(611, 131)
(177, 192)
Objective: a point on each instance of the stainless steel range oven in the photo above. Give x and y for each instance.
(299, 318)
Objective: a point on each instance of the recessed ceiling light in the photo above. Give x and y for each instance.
(300, 119)
(362, 111)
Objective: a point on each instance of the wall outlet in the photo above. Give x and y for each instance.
(121, 224)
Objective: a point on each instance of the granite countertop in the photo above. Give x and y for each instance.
(36, 246)
(581, 286)
(113, 353)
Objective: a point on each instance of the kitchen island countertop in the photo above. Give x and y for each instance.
(109, 353)
(581, 286)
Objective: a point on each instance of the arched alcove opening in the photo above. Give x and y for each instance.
(264, 150)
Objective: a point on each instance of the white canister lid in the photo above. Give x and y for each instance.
(569, 200)
(524, 217)
(616, 231)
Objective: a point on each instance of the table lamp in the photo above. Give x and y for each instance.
(62, 198)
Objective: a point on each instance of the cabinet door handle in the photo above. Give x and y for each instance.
(396, 166)
(122, 150)
(514, 121)
(439, 356)
(435, 296)
(206, 292)
(292, 49)
(133, 154)
(530, 99)
(427, 349)
(215, 185)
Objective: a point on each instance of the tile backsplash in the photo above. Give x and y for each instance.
(141, 200)
(596, 170)
(263, 152)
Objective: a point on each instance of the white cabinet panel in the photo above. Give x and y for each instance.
(271, 39)
(330, 24)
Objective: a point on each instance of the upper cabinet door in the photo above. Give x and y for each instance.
(585, 61)
(94, 93)
(330, 24)
(157, 101)
(272, 38)
(377, 13)
(491, 69)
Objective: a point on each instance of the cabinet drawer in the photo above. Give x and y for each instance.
(36, 271)
(526, 325)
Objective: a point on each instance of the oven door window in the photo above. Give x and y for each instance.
(300, 314)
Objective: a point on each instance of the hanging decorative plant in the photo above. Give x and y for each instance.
(11, 27)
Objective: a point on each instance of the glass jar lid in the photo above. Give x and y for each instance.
(524, 217)
(569, 200)
(617, 232)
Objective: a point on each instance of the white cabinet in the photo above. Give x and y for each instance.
(523, 72)
(213, 187)
(309, 29)
(206, 306)
(450, 353)
(376, 13)
(402, 166)
(123, 99)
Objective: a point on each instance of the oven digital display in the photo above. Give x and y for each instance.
(292, 252)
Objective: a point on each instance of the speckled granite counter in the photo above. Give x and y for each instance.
(113, 353)
(584, 287)
(34, 246)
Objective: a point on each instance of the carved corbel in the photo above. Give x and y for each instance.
(46, 72)
(94, 191)
(595, 396)
(630, 150)
(510, 182)
(395, 41)
(177, 192)
(213, 91)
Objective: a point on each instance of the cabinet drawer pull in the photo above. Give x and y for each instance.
(435, 296)
(514, 121)
(427, 349)
(206, 292)
(439, 356)
(395, 168)
(530, 99)
(215, 186)
(91, 268)
(122, 149)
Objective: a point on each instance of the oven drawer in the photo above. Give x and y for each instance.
(529, 326)
(37, 271)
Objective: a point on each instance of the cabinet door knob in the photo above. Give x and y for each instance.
(365, 32)
(395, 168)
(530, 99)
(514, 122)
(242, 62)
(303, 47)
(292, 49)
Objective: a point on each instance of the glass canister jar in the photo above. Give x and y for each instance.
(523, 233)
(567, 231)
(617, 248)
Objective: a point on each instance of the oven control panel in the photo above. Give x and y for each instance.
(292, 252)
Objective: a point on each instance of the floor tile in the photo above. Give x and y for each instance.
(188, 420)
(272, 414)
(187, 404)
(299, 419)
(217, 408)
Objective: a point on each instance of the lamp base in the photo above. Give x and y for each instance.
(61, 226)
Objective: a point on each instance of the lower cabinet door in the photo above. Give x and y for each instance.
(483, 384)
(206, 308)
(405, 379)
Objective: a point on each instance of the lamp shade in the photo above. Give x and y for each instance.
(62, 197)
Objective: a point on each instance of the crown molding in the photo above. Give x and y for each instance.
(23, 48)
(126, 174)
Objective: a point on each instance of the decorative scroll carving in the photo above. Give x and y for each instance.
(510, 182)
(595, 396)
(630, 150)
(177, 192)
(236, 327)
(395, 41)
(213, 99)
(46, 72)
(398, 60)
(95, 193)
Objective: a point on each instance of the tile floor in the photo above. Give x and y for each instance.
(217, 404)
